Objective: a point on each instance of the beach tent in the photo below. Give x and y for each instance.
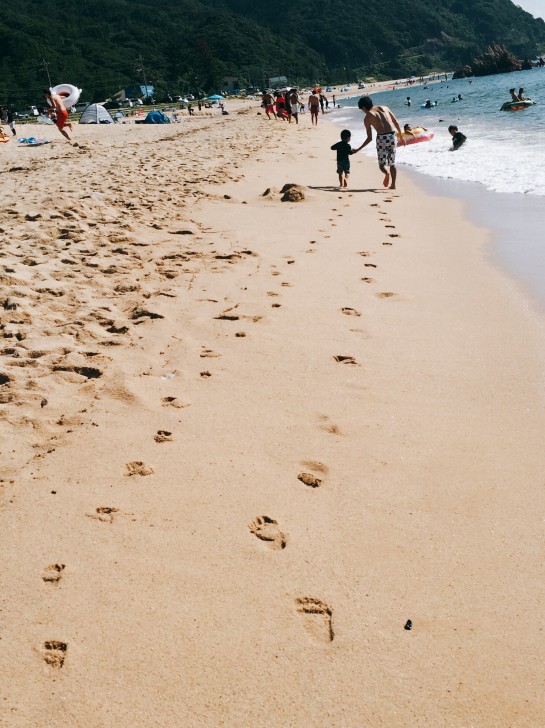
(96, 114)
(156, 117)
(215, 97)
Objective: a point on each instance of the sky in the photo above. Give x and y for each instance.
(536, 7)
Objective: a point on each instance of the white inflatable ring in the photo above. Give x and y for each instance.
(69, 94)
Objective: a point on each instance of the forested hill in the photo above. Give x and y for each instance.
(193, 44)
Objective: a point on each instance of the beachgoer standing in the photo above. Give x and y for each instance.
(281, 107)
(57, 109)
(322, 101)
(268, 101)
(382, 120)
(11, 121)
(294, 101)
(333, 97)
(314, 106)
(344, 150)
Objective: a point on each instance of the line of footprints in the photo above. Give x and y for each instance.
(317, 614)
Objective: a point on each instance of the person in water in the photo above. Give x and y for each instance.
(514, 96)
(407, 129)
(382, 120)
(59, 112)
(344, 150)
(521, 95)
(457, 138)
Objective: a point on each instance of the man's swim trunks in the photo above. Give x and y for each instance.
(62, 118)
(386, 148)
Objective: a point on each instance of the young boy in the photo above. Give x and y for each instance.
(457, 138)
(344, 150)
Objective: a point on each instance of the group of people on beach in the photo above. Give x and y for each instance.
(382, 120)
(388, 131)
(287, 104)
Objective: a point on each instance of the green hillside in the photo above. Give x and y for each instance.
(192, 44)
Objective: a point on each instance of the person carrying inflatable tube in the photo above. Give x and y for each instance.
(60, 112)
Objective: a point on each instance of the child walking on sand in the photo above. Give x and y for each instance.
(344, 150)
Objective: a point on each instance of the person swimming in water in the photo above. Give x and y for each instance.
(457, 137)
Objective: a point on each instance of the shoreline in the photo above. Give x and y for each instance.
(516, 246)
(199, 346)
(513, 217)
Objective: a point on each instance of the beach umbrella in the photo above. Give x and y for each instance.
(215, 97)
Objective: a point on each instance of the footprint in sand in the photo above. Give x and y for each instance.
(266, 529)
(163, 436)
(209, 354)
(368, 280)
(137, 467)
(343, 359)
(52, 574)
(173, 402)
(318, 618)
(350, 311)
(103, 513)
(327, 426)
(370, 265)
(54, 653)
(386, 294)
(309, 479)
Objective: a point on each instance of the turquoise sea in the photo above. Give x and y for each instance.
(499, 171)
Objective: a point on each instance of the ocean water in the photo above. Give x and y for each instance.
(499, 172)
(505, 150)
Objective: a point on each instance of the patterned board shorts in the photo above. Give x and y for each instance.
(386, 148)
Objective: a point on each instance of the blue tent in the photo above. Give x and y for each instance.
(215, 97)
(156, 117)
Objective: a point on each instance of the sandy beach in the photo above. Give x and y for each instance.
(244, 440)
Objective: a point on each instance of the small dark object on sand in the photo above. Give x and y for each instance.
(408, 624)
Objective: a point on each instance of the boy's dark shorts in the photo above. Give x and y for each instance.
(343, 166)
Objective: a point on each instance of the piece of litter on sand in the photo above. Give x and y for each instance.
(408, 624)
(170, 375)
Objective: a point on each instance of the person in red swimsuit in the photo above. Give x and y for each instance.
(61, 114)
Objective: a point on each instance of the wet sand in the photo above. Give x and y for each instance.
(243, 441)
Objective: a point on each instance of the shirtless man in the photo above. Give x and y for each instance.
(57, 109)
(382, 120)
(314, 106)
(268, 100)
